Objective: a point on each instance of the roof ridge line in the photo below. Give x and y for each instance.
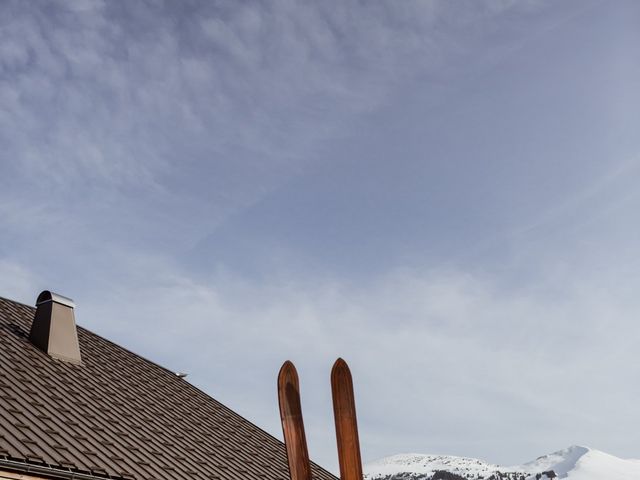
(16, 301)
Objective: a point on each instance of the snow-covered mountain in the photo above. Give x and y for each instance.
(573, 463)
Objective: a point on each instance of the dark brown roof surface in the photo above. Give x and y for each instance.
(119, 415)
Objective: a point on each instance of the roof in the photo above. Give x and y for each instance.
(118, 415)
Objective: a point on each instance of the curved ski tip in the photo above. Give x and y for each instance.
(339, 365)
(288, 372)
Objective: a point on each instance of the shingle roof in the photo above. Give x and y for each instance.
(119, 415)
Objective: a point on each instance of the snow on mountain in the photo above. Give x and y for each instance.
(414, 466)
(573, 463)
(583, 463)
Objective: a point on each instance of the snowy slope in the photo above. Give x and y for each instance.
(582, 463)
(573, 463)
(416, 466)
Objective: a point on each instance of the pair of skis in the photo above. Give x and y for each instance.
(344, 411)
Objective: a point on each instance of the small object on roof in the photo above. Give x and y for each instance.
(53, 329)
(181, 374)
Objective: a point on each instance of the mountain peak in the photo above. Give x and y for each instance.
(577, 462)
(561, 462)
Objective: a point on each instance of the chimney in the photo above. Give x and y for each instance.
(54, 327)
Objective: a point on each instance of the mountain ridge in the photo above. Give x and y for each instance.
(574, 463)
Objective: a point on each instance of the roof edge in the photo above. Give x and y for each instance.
(45, 471)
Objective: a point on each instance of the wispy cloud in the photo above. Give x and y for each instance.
(148, 125)
(134, 96)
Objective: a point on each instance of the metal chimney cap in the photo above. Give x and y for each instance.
(47, 296)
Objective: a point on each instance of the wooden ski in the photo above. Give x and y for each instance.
(344, 411)
(292, 424)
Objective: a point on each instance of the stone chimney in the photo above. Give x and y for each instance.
(54, 327)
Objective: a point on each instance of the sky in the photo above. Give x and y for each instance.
(445, 194)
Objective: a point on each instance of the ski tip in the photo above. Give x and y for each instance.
(288, 373)
(340, 366)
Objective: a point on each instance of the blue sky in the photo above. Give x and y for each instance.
(443, 193)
